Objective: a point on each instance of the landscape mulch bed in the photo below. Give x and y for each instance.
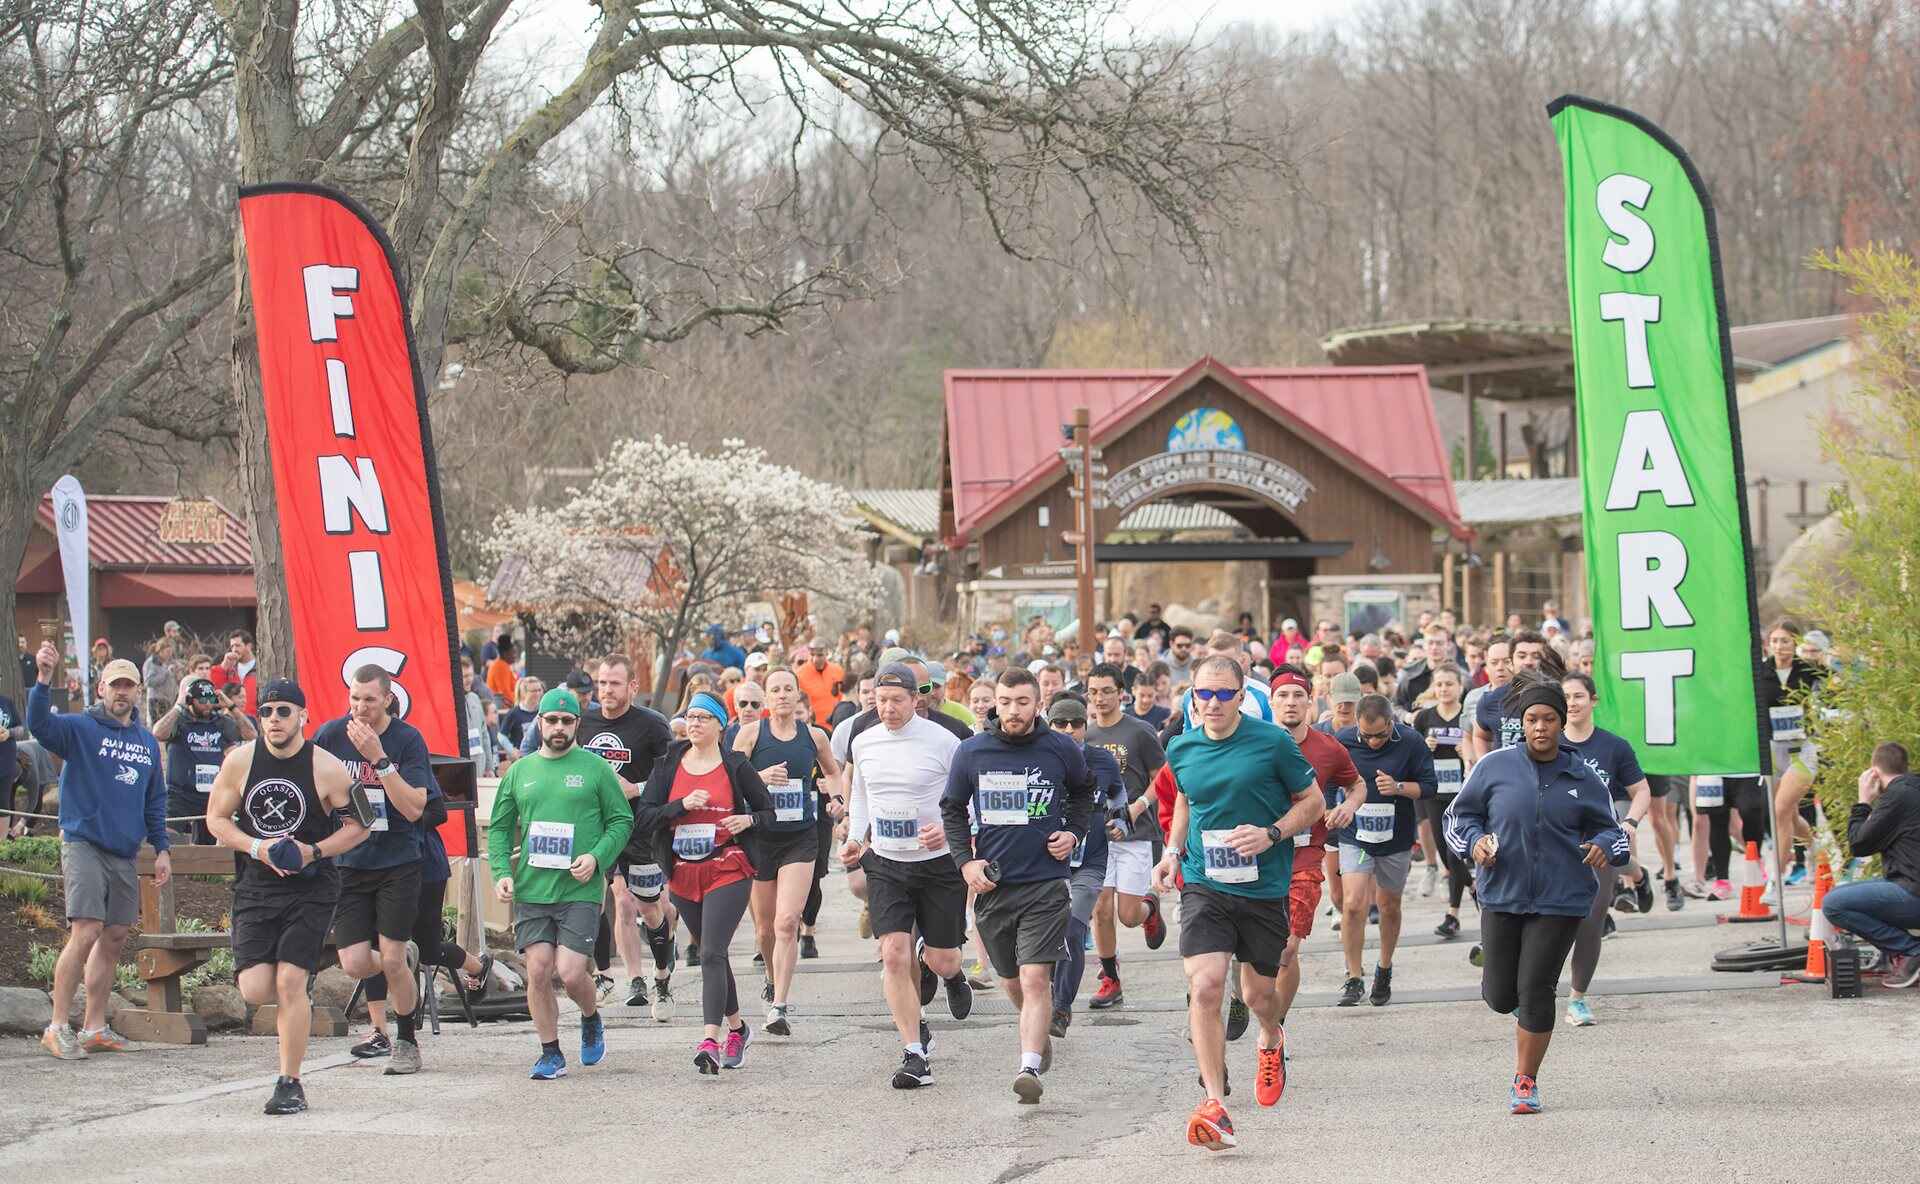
(203, 901)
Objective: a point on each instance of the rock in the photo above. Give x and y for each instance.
(333, 988)
(115, 1003)
(221, 1006)
(24, 1010)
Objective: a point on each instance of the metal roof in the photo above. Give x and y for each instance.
(1494, 503)
(917, 512)
(1003, 426)
(1509, 360)
(1775, 342)
(123, 532)
(623, 567)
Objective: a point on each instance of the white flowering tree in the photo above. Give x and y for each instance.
(665, 540)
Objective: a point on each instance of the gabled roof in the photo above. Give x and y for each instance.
(1003, 427)
(124, 533)
(1510, 501)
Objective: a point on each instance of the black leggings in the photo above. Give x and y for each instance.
(1748, 796)
(712, 920)
(1593, 927)
(810, 914)
(1459, 871)
(429, 933)
(1524, 953)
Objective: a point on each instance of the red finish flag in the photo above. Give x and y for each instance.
(360, 522)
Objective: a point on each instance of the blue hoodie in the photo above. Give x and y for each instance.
(113, 790)
(1541, 814)
(1041, 772)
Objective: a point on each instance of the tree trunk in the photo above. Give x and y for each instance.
(14, 531)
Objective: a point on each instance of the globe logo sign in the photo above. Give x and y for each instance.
(1206, 427)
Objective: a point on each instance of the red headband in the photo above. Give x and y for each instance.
(1289, 679)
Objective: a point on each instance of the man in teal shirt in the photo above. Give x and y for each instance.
(1243, 792)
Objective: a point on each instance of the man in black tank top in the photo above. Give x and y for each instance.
(273, 802)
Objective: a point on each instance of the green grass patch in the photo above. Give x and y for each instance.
(40, 853)
(25, 889)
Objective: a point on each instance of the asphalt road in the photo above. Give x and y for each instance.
(1688, 1075)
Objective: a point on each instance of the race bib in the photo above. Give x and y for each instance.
(1304, 838)
(897, 831)
(1003, 799)
(1449, 774)
(1447, 737)
(377, 798)
(646, 880)
(203, 776)
(1223, 863)
(693, 840)
(1373, 822)
(789, 801)
(549, 844)
(1789, 723)
(1709, 792)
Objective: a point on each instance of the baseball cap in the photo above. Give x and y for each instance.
(896, 674)
(280, 690)
(560, 699)
(891, 655)
(756, 660)
(1067, 710)
(1290, 623)
(1345, 688)
(118, 669)
(936, 674)
(1036, 666)
(1817, 639)
(200, 690)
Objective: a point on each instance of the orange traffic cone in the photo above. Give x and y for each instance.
(1819, 929)
(1753, 885)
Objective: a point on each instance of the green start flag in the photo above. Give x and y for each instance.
(1668, 569)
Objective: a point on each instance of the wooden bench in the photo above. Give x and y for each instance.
(163, 956)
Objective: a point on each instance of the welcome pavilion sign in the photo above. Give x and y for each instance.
(1205, 449)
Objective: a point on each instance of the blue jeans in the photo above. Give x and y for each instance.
(1879, 911)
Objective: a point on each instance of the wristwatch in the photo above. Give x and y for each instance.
(383, 766)
(1631, 821)
(1273, 833)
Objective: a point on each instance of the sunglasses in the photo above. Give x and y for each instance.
(559, 720)
(926, 688)
(278, 711)
(1215, 694)
(1381, 736)
(749, 702)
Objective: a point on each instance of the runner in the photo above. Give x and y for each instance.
(197, 734)
(111, 798)
(1126, 895)
(899, 770)
(1243, 793)
(1343, 711)
(274, 801)
(1784, 697)
(790, 842)
(380, 878)
(557, 821)
(1031, 791)
(698, 805)
(1068, 716)
(1491, 728)
(631, 739)
(1376, 840)
(1442, 725)
(1536, 848)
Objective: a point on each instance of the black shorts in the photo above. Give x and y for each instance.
(1661, 784)
(377, 902)
(289, 928)
(778, 848)
(927, 895)
(1252, 930)
(1024, 924)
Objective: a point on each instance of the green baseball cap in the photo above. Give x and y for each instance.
(560, 699)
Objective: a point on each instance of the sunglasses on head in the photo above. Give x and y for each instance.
(556, 719)
(1220, 694)
(278, 711)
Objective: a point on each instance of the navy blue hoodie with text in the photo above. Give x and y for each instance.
(1023, 789)
(1540, 814)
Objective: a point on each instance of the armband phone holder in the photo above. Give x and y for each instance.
(361, 809)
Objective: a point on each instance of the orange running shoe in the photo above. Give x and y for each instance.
(1270, 1077)
(1210, 1128)
(104, 1040)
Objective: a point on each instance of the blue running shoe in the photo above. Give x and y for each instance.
(593, 1039)
(1525, 1096)
(1579, 1014)
(549, 1066)
(1797, 876)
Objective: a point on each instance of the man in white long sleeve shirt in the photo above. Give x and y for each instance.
(894, 834)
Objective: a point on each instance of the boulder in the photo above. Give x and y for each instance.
(23, 1010)
(221, 1006)
(332, 988)
(115, 1002)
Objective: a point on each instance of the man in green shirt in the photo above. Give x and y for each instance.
(557, 821)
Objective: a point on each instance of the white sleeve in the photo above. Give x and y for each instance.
(857, 809)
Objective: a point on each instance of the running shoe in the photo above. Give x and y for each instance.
(1336, 922)
(102, 1040)
(759, 959)
(63, 1042)
(1903, 974)
(737, 1041)
(1062, 1020)
(926, 1037)
(1027, 1087)
(1270, 1078)
(1608, 929)
(376, 1045)
(914, 1072)
(777, 1024)
(1373, 914)
(693, 953)
(706, 1057)
(405, 1060)
(1046, 1055)
(808, 947)
(766, 991)
(288, 1097)
(1210, 1128)
(1355, 989)
(602, 987)
(1525, 1096)
(1448, 928)
(1238, 1017)
(662, 1001)
(1697, 889)
(549, 1066)
(1643, 893)
(977, 976)
(1226, 1078)
(1430, 880)
(1722, 890)
(1797, 876)
(1477, 956)
(1772, 895)
(959, 997)
(1623, 899)
(1675, 902)
(1382, 986)
(593, 1039)
(1579, 1014)
(1154, 928)
(929, 981)
(1108, 995)
(637, 992)
(866, 922)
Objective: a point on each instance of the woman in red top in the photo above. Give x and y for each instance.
(693, 820)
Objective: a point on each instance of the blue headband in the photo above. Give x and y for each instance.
(708, 704)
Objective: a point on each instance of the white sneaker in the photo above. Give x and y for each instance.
(1432, 880)
(1772, 895)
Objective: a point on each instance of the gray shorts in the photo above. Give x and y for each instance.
(571, 924)
(1388, 871)
(1023, 924)
(1085, 884)
(101, 886)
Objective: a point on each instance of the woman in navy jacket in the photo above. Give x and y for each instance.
(1535, 820)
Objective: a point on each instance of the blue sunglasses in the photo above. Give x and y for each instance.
(1222, 694)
